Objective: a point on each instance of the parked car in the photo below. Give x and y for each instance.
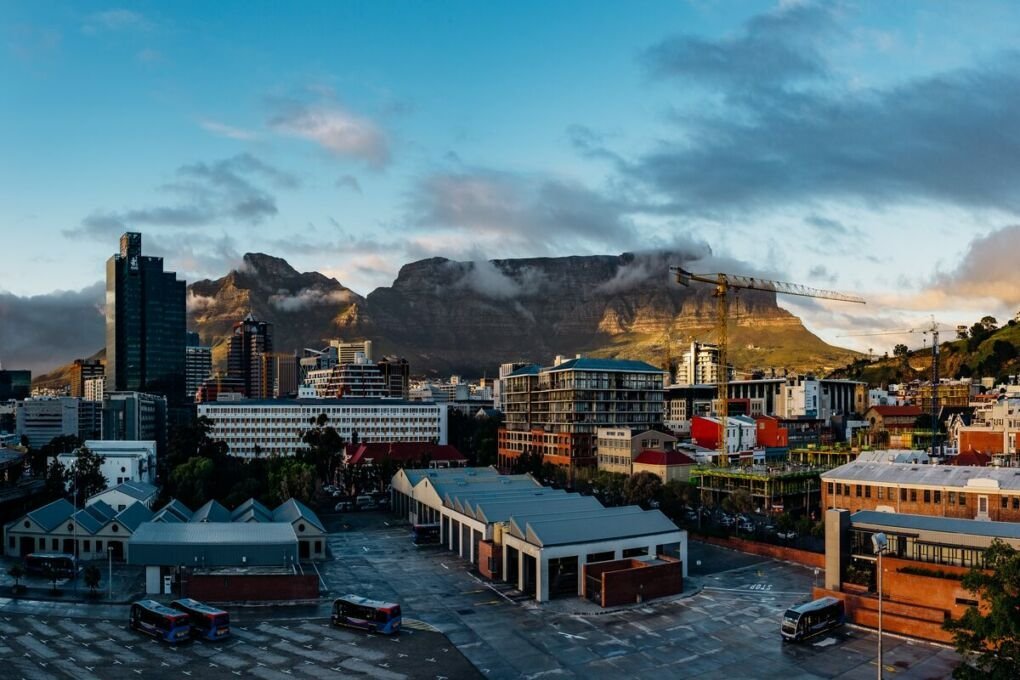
(787, 535)
(727, 520)
(343, 506)
(365, 502)
(691, 515)
(768, 529)
(745, 526)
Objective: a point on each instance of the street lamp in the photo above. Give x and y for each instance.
(109, 580)
(880, 544)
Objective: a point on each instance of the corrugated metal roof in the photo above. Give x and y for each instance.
(52, 515)
(133, 515)
(214, 533)
(173, 512)
(925, 475)
(592, 364)
(251, 510)
(502, 511)
(973, 527)
(293, 510)
(604, 524)
(530, 369)
(212, 511)
(140, 491)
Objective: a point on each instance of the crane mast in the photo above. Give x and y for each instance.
(724, 284)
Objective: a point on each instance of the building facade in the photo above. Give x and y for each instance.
(618, 447)
(555, 411)
(123, 461)
(267, 427)
(15, 384)
(197, 364)
(249, 358)
(134, 416)
(43, 419)
(145, 324)
(83, 370)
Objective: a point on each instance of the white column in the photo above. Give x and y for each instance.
(542, 579)
(520, 570)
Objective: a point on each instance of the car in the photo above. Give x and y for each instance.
(691, 515)
(745, 526)
(787, 535)
(338, 493)
(727, 520)
(343, 506)
(365, 502)
(768, 529)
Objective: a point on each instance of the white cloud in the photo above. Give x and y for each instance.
(336, 129)
(224, 130)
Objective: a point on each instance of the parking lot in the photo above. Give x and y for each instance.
(725, 626)
(40, 643)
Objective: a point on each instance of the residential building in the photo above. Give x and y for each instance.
(135, 416)
(145, 325)
(892, 424)
(962, 492)
(555, 411)
(267, 427)
(994, 430)
(249, 358)
(504, 370)
(741, 433)
(95, 388)
(83, 370)
(15, 384)
(515, 530)
(617, 447)
(123, 461)
(770, 432)
(699, 365)
(197, 365)
(669, 466)
(396, 374)
(346, 352)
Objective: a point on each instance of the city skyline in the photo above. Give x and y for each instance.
(701, 127)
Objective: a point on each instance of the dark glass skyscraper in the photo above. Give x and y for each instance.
(15, 384)
(250, 357)
(145, 324)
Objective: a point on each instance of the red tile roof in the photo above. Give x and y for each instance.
(404, 452)
(971, 458)
(650, 457)
(896, 410)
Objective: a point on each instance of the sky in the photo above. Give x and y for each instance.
(868, 147)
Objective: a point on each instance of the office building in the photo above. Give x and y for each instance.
(249, 358)
(15, 384)
(268, 427)
(287, 372)
(145, 324)
(197, 365)
(83, 370)
(43, 419)
(396, 375)
(133, 416)
(346, 352)
(95, 389)
(555, 411)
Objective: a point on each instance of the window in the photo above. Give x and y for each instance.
(99, 546)
(952, 497)
(913, 495)
(858, 490)
(903, 494)
(27, 524)
(87, 547)
(867, 491)
(635, 552)
(830, 488)
(1016, 503)
(927, 495)
(10, 542)
(1005, 502)
(846, 489)
(938, 497)
(963, 498)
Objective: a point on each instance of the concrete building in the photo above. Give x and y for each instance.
(276, 426)
(555, 411)
(618, 447)
(197, 365)
(699, 365)
(43, 419)
(961, 492)
(123, 461)
(505, 370)
(994, 430)
(346, 352)
(287, 372)
(538, 538)
(15, 384)
(125, 494)
(741, 433)
(892, 424)
(88, 532)
(135, 416)
(83, 370)
(95, 389)
(950, 393)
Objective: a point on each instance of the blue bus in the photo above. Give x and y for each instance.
(812, 618)
(63, 565)
(371, 615)
(161, 622)
(206, 622)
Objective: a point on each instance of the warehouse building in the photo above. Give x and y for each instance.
(540, 539)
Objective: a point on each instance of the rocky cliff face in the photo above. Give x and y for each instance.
(469, 317)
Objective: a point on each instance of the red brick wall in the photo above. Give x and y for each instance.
(915, 621)
(251, 587)
(779, 552)
(624, 580)
(943, 508)
(487, 550)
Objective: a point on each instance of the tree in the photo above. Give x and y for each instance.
(92, 576)
(55, 485)
(85, 475)
(529, 461)
(325, 448)
(989, 323)
(739, 501)
(293, 479)
(641, 488)
(193, 481)
(900, 350)
(988, 635)
(16, 572)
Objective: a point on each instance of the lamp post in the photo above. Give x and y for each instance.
(880, 544)
(109, 578)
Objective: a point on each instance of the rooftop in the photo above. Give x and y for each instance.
(655, 457)
(346, 401)
(214, 533)
(958, 476)
(972, 527)
(591, 364)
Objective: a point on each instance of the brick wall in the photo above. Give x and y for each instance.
(924, 623)
(941, 504)
(251, 587)
(488, 552)
(623, 580)
(779, 552)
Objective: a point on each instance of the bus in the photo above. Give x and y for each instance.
(423, 534)
(812, 618)
(371, 615)
(159, 621)
(63, 565)
(206, 622)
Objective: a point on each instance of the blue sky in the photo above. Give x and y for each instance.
(869, 147)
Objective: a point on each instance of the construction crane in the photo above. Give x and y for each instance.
(724, 284)
(934, 330)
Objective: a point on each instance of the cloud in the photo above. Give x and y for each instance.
(491, 280)
(229, 189)
(988, 269)
(348, 182)
(224, 130)
(199, 303)
(784, 129)
(286, 301)
(336, 129)
(112, 20)
(41, 332)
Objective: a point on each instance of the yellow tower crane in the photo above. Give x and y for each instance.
(724, 283)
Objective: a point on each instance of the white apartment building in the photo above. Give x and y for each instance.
(94, 388)
(267, 427)
(699, 365)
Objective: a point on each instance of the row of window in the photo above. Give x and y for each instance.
(911, 495)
